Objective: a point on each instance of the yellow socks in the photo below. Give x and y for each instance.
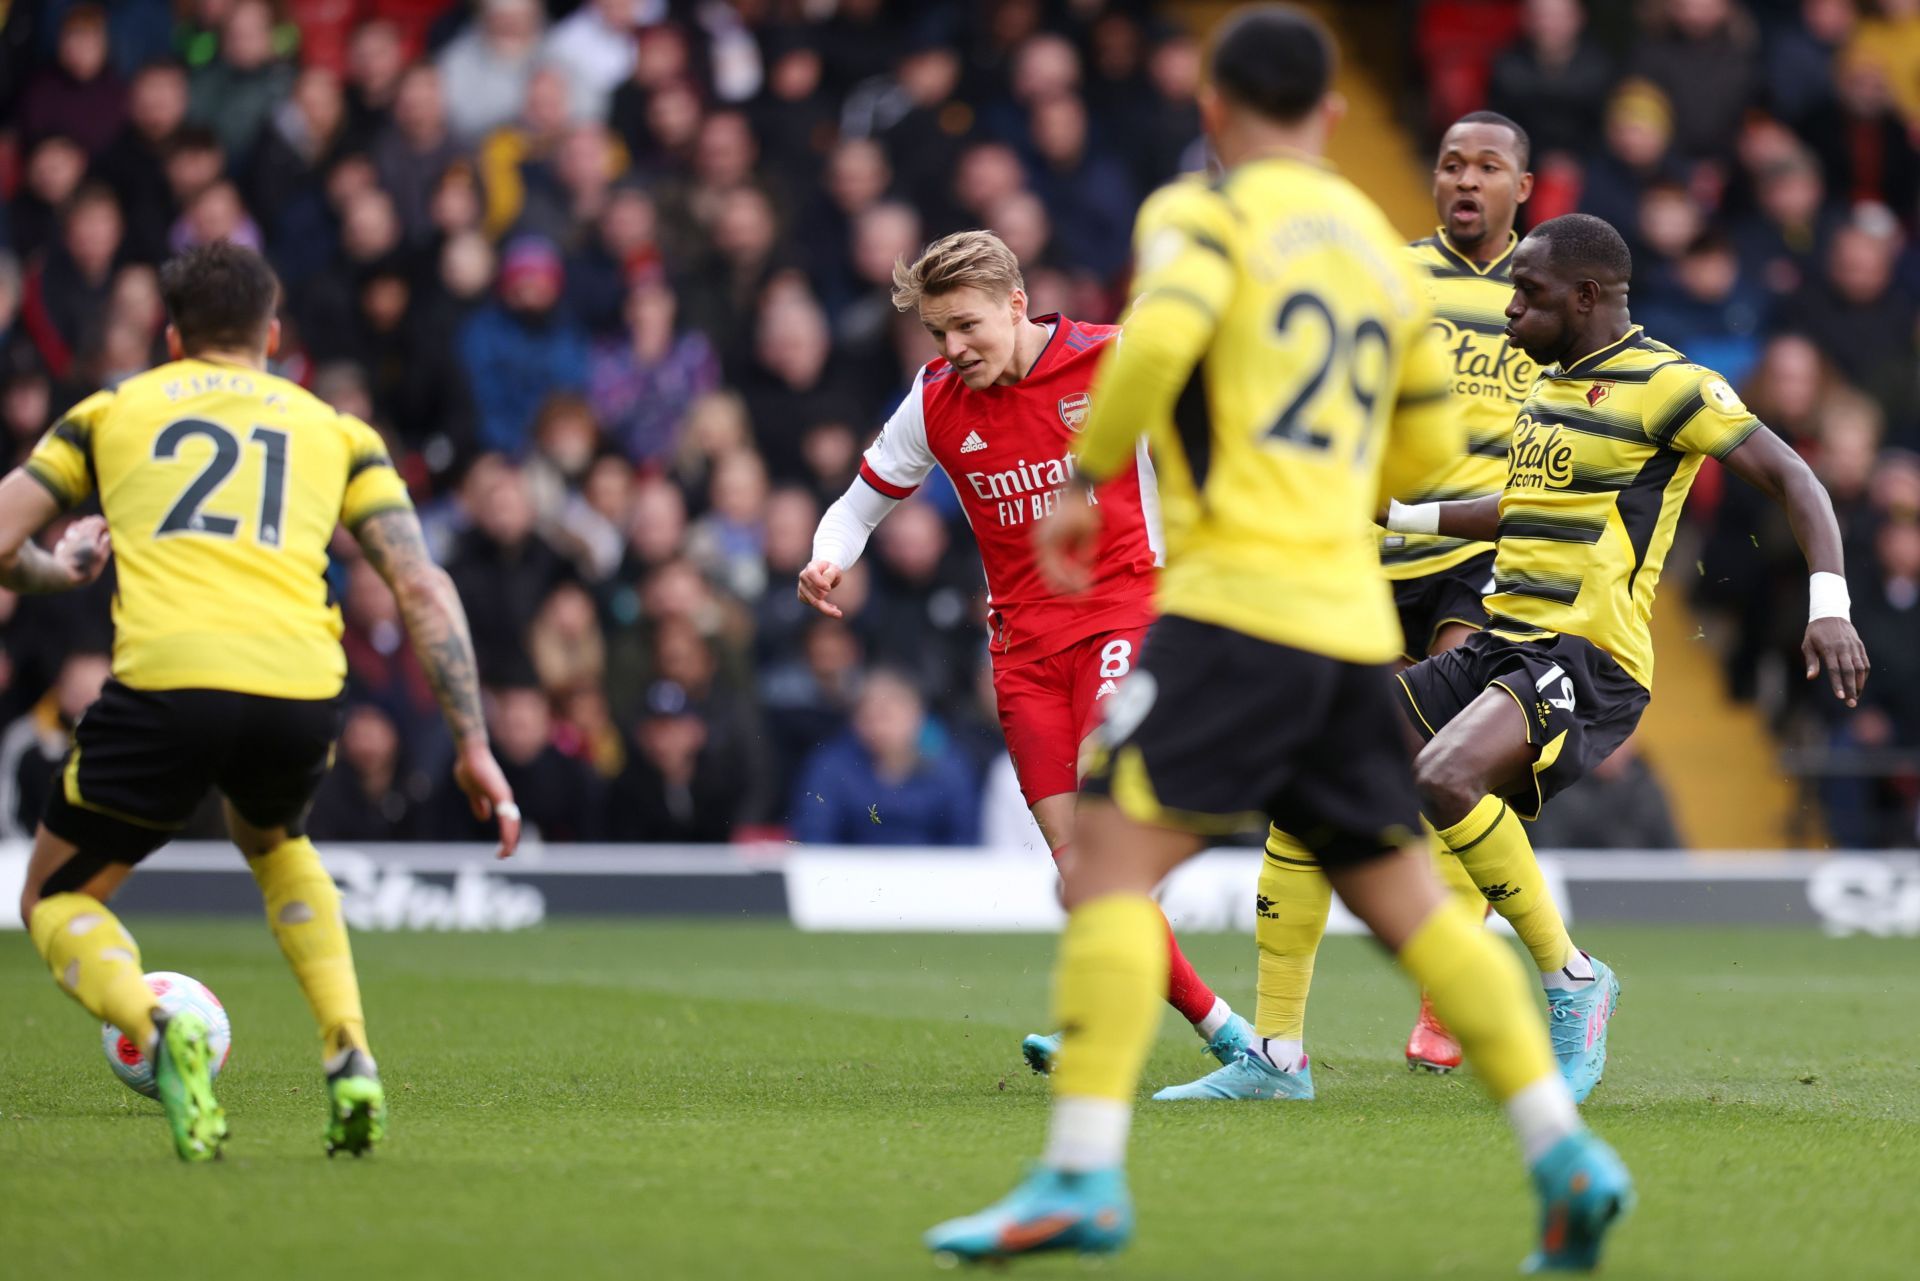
(1109, 986)
(1453, 875)
(1496, 853)
(1479, 990)
(303, 909)
(95, 961)
(1290, 917)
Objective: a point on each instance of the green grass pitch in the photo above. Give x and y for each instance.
(645, 1101)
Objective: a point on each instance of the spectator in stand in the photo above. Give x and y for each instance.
(795, 118)
(1045, 66)
(516, 159)
(616, 253)
(487, 66)
(235, 94)
(1704, 56)
(892, 780)
(376, 61)
(857, 177)
(794, 384)
(32, 747)
(503, 568)
(642, 383)
(1638, 155)
(1801, 54)
(924, 619)
(134, 164)
(1553, 81)
(883, 235)
(728, 543)
(26, 405)
(1781, 238)
(1859, 317)
(79, 96)
(55, 170)
(596, 46)
(522, 347)
(569, 652)
(216, 213)
(1865, 143)
(66, 294)
(1869, 811)
(589, 164)
(675, 788)
(725, 297)
(1890, 37)
(920, 140)
(1084, 186)
(10, 286)
(1714, 310)
(413, 152)
(303, 136)
(1168, 142)
(988, 173)
(561, 798)
(365, 796)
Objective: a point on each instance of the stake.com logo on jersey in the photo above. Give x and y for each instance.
(1026, 491)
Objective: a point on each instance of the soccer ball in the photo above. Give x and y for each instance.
(176, 992)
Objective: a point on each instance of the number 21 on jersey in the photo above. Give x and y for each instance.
(186, 515)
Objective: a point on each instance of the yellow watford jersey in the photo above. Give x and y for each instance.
(222, 486)
(1319, 368)
(1491, 378)
(1603, 454)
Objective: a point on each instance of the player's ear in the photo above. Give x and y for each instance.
(1017, 299)
(1213, 114)
(273, 336)
(1333, 109)
(1524, 190)
(174, 350)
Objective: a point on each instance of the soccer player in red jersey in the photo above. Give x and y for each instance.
(997, 410)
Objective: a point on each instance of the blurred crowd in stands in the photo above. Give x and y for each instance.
(612, 277)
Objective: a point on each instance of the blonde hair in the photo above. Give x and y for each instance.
(964, 260)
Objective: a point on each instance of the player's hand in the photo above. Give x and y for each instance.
(817, 582)
(479, 776)
(1831, 643)
(1064, 541)
(83, 550)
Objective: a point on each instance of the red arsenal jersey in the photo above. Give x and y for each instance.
(1006, 449)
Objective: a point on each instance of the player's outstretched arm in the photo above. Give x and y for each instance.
(1770, 465)
(437, 624)
(25, 567)
(838, 541)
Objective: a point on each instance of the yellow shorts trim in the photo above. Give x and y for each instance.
(1132, 790)
(70, 784)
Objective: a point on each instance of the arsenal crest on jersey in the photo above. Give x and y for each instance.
(1073, 409)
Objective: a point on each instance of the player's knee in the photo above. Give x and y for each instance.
(1449, 786)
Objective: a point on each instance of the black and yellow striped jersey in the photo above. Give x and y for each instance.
(1318, 385)
(222, 486)
(1491, 378)
(1603, 454)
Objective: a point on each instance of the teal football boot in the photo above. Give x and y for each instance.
(1578, 1019)
(1089, 1213)
(1584, 1189)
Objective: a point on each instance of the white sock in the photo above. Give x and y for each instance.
(1087, 1134)
(1282, 1056)
(1216, 1019)
(1578, 971)
(1542, 1115)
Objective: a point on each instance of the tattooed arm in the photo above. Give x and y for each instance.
(437, 625)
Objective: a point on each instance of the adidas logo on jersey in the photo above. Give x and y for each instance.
(972, 444)
(1106, 688)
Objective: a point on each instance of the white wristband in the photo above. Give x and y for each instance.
(1827, 597)
(1413, 518)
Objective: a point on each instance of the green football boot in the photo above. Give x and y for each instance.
(358, 1104)
(183, 1079)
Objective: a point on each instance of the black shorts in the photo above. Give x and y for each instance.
(1579, 704)
(1431, 601)
(142, 760)
(1217, 731)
